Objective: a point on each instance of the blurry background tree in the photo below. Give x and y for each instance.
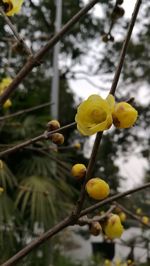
(32, 186)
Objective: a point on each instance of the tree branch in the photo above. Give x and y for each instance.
(112, 91)
(22, 112)
(63, 224)
(135, 217)
(16, 34)
(43, 136)
(36, 59)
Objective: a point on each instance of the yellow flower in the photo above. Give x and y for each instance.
(124, 115)
(97, 188)
(12, 6)
(95, 114)
(113, 228)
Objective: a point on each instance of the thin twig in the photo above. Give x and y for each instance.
(134, 216)
(63, 224)
(112, 198)
(125, 46)
(16, 34)
(112, 91)
(36, 59)
(85, 220)
(22, 112)
(90, 167)
(43, 136)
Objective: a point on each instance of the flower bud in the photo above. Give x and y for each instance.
(1, 164)
(1, 190)
(145, 220)
(119, 2)
(78, 171)
(118, 12)
(7, 104)
(57, 138)
(124, 115)
(95, 228)
(53, 125)
(138, 211)
(113, 228)
(77, 145)
(97, 188)
(122, 216)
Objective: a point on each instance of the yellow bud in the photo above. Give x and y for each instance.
(130, 262)
(1, 190)
(57, 138)
(78, 171)
(107, 263)
(97, 188)
(124, 115)
(95, 228)
(145, 220)
(77, 145)
(138, 211)
(7, 104)
(1, 164)
(122, 216)
(53, 125)
(113, 228)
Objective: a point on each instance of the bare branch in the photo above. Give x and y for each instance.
(125, 46)
(112, 91)
(63, 224)
(36, 59)
(136, 217)
(16, 34)
(112, 198)
(22, 112)
(43, 136)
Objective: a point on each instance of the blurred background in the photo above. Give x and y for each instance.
(38, 187)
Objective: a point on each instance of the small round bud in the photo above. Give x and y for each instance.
(107, 263)
(138, 211)
(78, 171)
(119, 2)
(122, 216)
(117, 13)
(77, 145)
(113, 227)
(124, 115)
(105, 38)
(57, 138)
(1, 190)
(53, 125)
(1, 164)
(145, 220)
(95, 228)
(7, 104)
(111, 38)
(97, 188)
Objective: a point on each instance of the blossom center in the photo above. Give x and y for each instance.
(98, 115)
(8, 6)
